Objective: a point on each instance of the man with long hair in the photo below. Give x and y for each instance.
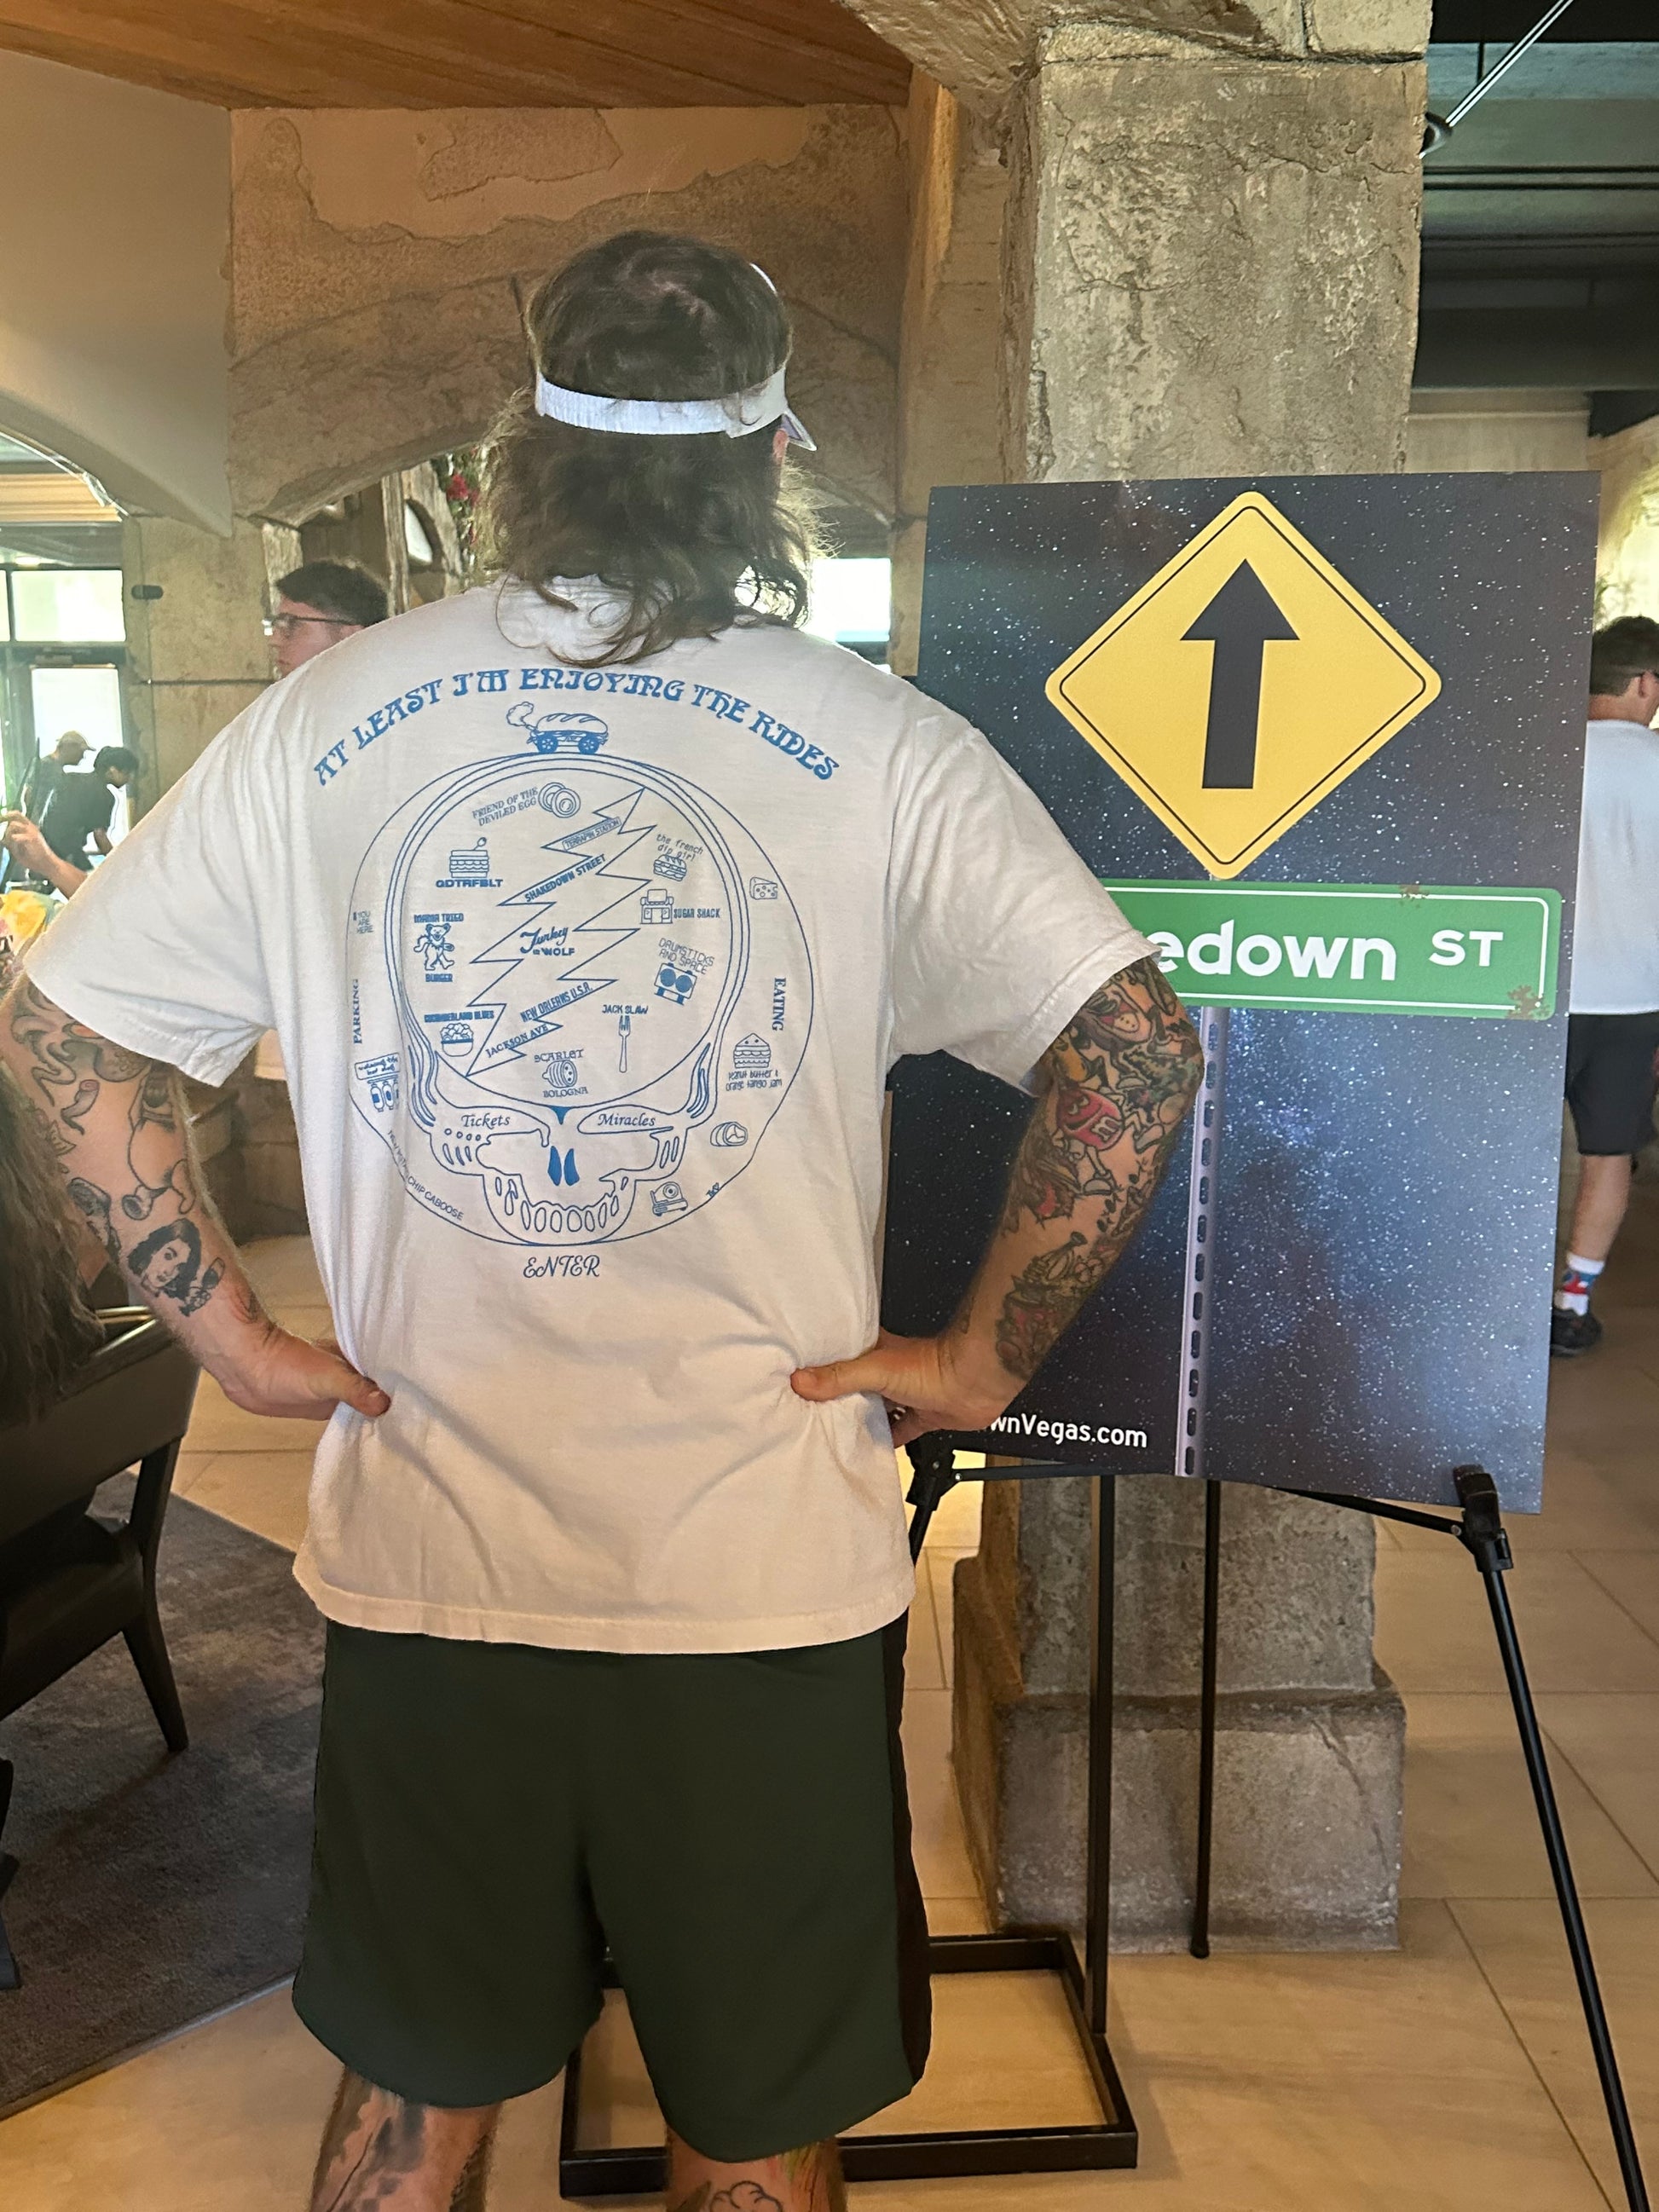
(593, 908)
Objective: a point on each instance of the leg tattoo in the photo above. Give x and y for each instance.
(804, 2180)
(379, 2150)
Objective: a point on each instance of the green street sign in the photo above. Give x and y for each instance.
(1353, 948)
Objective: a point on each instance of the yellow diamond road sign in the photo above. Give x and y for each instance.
(1241, 685)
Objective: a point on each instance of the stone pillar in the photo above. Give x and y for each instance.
(196, 654)
(951, 348)
(1209, 269)
(1211, 256)
(195, 651)
(1310, 1734)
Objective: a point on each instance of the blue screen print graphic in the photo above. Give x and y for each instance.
(580, 992)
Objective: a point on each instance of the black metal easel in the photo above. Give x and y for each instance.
(1088, 2147)
(1480, 1530)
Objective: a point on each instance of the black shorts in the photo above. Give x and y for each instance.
(732, 1827)
(1610, 1080)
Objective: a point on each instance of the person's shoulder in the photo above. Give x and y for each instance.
(863, 694)
(1627, 746)
(816, 660)
(401, 639)
(381, 663)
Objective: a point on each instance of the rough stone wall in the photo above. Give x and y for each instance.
(1212, 262)
(951, 351)
(1506, 429)
(1627, 565)
(979, 48)
(1308, 1765)
(196, 652)
(272, 1193)
(379, 258)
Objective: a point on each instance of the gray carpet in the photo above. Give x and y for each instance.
(153, 1890)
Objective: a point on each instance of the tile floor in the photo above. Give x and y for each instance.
(1451, 2076)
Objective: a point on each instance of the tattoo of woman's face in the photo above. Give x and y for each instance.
(168, 1264)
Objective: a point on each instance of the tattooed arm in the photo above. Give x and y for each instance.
(1117, 1085)
(116, 1123)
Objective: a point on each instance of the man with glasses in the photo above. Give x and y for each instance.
(319, 605)
(1612, 1032)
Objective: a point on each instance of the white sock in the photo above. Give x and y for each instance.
(1572, 1293)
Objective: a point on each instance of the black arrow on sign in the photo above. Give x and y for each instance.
(1242, 617)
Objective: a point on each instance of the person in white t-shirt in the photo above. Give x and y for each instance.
(1613, 1028)
(593, 909)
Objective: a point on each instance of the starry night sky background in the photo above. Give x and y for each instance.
(1388, 1189)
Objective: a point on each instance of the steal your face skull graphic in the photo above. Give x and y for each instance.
(573, 1018)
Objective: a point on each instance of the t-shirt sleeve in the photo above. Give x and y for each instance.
(159, 950)
(999, 931)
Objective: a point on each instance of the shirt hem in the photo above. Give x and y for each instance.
(113, 1017)
(557, 1632)
(1073, 992)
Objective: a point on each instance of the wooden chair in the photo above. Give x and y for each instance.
(68, 1583)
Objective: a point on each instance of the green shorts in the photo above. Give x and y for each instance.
(732, 1828)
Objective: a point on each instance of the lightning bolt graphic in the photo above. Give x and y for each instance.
(528, 985)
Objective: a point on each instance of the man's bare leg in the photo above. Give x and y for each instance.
(1599, 1208)
(377, 2151)
(804, 2180)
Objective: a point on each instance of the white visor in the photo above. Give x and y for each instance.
(739, 415)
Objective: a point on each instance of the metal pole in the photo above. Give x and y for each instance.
(1207, 1718)
(1098, 1908)
(1198, 1303)
(1521, 45)
(1438, 128)
(1483, 1534)
(1202, 1197)
(932, 1471)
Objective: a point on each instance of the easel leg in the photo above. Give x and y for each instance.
(932, 1471)
(1097, 1877)
(10, 1977)
(1200, 1945)
(1482, 1534)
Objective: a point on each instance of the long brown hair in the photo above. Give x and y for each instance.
(46, 1328)
(692, 533)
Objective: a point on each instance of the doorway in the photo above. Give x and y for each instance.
(62, 659)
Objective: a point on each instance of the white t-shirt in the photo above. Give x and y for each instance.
(587, 982)
(1615, 948)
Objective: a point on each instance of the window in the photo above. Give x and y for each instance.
(69, 606)
(84, 699)
(851, 603)
(417, 537)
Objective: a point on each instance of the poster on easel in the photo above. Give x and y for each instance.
(1323, 738)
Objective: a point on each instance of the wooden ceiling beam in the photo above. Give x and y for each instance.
(646, 45)
(464, 53)
(320, 63)
(790, 41)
